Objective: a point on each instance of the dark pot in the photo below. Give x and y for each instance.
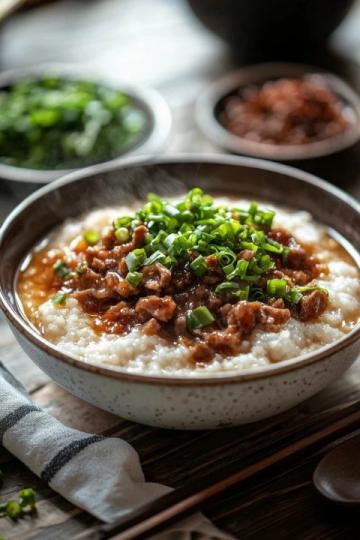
(272, 29)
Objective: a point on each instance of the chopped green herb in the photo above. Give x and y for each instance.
(135, 258)
(66, 124)
(122, 235)
(61, 269)
(199, 266)
(123, 221)
(293, 296)
(59, 299)
(81, 268)
(198, 318)
(91, 237)
(27, 498)
(157, 256)
(276, 287)
(134, 278)
(243, 294)
(310, 288)
(227, 286)
(15, 509)
(182, 234)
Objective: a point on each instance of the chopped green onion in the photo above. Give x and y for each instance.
(311, 288)
(293, 296)
(198, 318)
(27, 498)
(61, 269)
(226, 256)
(195, 225)
(276, 287)
(91, 237)
(134, 278)
(59, 298)
(122, 235)
(171, 210)
(199, 266)
(227, 286)
(249, 245)
(157, 256)
(122, 222)
(13, 510)
(16, 509)
(135, 258)
(240, 270)
(243, 294)
(81, 268)
(272, 246)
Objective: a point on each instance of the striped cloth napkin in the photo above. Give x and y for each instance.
(100, 475)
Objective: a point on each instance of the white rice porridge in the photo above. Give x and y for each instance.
(70, 329)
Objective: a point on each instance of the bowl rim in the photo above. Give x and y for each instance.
(149, 99)
(208, 123)
(24, 327)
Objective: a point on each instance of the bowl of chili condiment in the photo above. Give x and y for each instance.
(283, 112)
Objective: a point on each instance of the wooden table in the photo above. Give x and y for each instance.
(157, 42)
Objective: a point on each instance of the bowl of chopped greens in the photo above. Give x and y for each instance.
(54, 120)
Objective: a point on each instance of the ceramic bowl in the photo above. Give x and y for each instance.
(148, 100)
(168, 401)
(209, 103)
(259, 30)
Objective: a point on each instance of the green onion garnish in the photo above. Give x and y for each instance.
(122, 235)
(198, 318)
(293, 296)
(123, 221)
(199, 266)
(155, 257)
(243, 294)
(59, 299)
(135, 258)
(81, 268)
(239, 271)
(227, 286)
(134, 278)
(310, 288)
(61, 269)
(91, 237)
(182, 234)
(276, 287)
(15, 509)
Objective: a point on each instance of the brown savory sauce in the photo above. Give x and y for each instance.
(161, 302)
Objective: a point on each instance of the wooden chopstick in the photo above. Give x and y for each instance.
(185, 500)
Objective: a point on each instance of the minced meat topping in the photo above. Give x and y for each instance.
(191, 272)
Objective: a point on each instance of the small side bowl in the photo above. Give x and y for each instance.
(208, 102)
(147, 99)
(194, 402)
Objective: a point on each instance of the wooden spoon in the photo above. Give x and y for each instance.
(337, 476)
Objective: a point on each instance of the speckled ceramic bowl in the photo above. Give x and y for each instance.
(149, 101)
(211, 102)
(167, 401)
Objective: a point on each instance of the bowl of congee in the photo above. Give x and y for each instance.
(186, 292)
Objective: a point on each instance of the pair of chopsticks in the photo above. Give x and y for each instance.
(174, 506)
